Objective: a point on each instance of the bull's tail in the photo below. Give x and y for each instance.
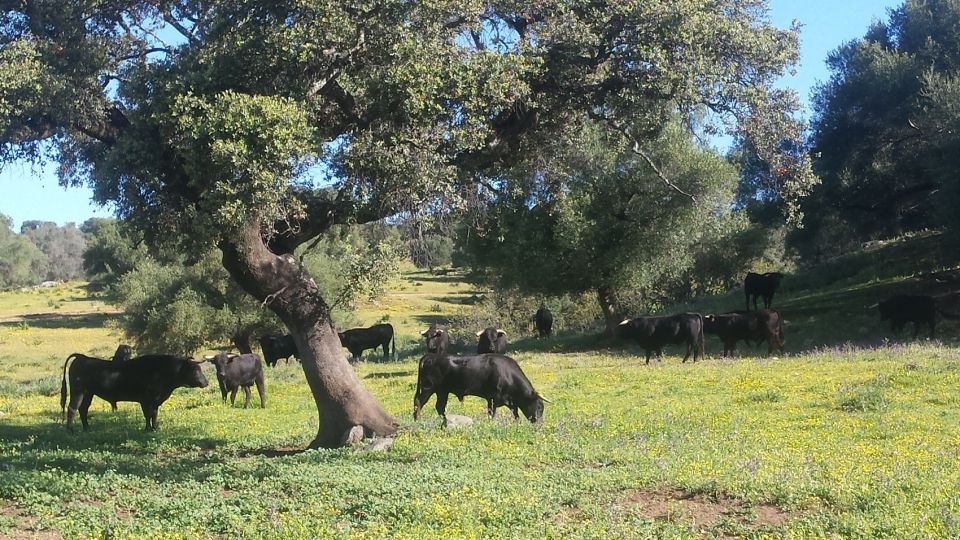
(63, 387)
(393, 346)
(416, 395)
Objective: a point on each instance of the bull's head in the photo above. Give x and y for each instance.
(191, 373)
(436, 337)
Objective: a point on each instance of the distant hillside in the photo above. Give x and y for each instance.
(829, 304)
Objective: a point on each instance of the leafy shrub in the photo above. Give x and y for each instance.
(864, 397)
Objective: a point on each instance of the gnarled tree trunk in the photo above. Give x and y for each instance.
(607, 298)
(281, 281)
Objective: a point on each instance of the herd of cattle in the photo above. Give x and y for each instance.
(150, 379)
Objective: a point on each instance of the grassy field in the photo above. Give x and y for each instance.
(848, 435)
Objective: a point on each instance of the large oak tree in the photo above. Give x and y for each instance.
(207, 123)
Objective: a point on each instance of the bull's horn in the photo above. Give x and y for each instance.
(873, 306)
(499, 331)
(200, 361)
(625, 321)
(480, 333)
(786, 323)
(231, 355)
(424, 333)
(545, 400)
(207, 357)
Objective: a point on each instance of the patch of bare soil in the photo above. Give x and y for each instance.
(700, 511)
(25, 526)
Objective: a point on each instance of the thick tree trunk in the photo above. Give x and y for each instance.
(282, 283)
(607, 298)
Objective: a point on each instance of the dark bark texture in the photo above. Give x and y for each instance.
(281, 282)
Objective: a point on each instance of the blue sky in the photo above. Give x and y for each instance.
(31, 193)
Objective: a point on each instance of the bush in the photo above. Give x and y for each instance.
(513, 312)
(864, 397)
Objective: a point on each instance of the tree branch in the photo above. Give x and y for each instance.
(636, 148)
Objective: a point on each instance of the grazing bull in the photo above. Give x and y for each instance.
(357, 340)
(917, 309)
(148, 380)
(124, 354)
(276, 347)
(763, 285)
(544, 321)
(235, 371)
(764, 325)
(438, 340)
(494, 377)
(491, 340)
(652, 333)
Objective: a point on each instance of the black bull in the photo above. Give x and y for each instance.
(917, 309)
(494, 377)
(762, 285)
(652, 333)
(148, 380)
(357, 340)
(491, 340)
(275, 347)
(757, 326)
(235, 371)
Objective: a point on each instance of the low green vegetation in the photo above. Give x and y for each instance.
(789, 447)
(833, 439)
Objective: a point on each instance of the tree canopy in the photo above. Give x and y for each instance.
(883, 128)
(262, 124)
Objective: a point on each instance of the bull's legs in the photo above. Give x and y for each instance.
(113, 406)
(648, 356)
(149, 416)
(233, 395)
(491, 408)
(419, 401)
(262, 392)
(516, 413)
(223, 390)
(386, 351)
(442, 407)
(246, 396)
(84, 409)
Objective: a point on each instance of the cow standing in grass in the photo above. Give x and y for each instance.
(494, 377)
(917, 309)
(148, 380)
(544, 322)
(437, 337)
(763, 285)
(357, 340)
(764, 325)
(235, 371)
(275, 347)
(652, 333)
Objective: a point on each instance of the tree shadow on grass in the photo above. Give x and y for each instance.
(55, 321)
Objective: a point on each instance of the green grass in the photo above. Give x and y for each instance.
(834, 440)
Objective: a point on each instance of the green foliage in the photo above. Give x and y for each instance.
(175, 307)
(512, 311)
(21, 261)
(111, 250)
(884, 131)
(431, 251)
(172, 304)
(598, 216)
(864, 397)
(62, 246)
